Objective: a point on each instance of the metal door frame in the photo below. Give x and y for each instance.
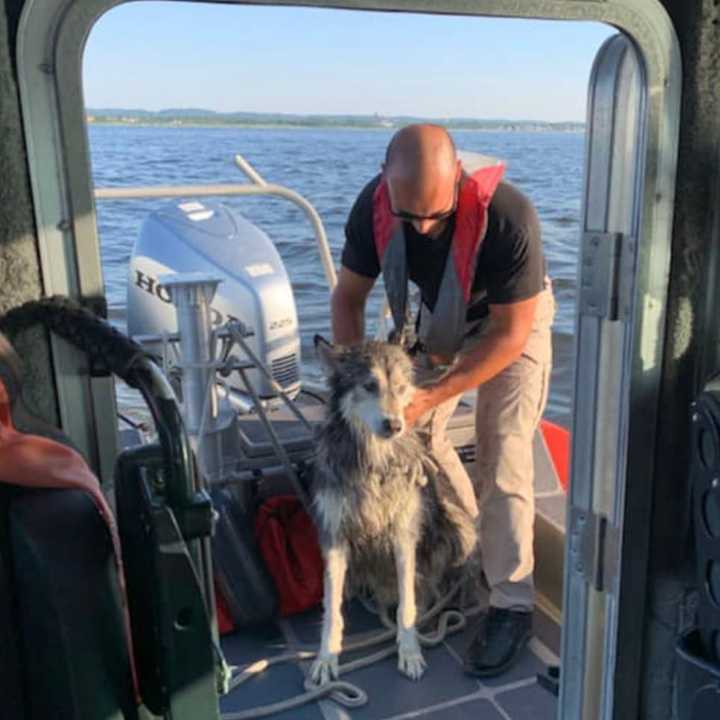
(51, 42)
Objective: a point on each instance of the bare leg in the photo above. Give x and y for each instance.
(325, 666)
(410, 659)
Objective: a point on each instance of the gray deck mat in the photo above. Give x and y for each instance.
(444, 692)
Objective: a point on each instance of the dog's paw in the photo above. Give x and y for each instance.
(324, 669)
(411, 663)
(410, 658)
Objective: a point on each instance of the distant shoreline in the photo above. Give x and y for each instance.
(196, 117)
(329, 126)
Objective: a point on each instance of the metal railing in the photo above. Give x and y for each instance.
(258, 187)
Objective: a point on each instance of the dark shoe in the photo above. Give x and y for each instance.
(501, 637)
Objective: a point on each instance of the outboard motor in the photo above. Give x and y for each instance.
(254, 289)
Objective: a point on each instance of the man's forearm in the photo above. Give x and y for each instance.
(348, 323)
(493, 353)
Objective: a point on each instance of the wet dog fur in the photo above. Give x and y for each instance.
(389, 521)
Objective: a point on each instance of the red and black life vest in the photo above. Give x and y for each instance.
(442, 330)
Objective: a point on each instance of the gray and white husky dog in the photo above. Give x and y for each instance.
(385, 513)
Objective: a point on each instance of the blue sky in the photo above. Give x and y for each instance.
(156, 55)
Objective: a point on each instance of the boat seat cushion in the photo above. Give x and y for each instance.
(11, 681)
(70, 626)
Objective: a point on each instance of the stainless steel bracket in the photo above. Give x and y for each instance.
(594, 549)
(606, 275)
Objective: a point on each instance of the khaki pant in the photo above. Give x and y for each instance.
(501, 495)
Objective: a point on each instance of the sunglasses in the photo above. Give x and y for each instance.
(442, 215)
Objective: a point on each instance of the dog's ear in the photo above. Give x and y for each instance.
(326, 353)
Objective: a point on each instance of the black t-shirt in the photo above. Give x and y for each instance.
(510, 265)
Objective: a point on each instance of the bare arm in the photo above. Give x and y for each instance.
(499, 347)
(348, 307)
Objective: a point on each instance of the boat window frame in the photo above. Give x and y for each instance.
(51, 42)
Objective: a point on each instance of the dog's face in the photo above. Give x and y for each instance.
(372, 384)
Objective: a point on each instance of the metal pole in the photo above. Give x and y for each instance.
(192, 293)
(236, 334)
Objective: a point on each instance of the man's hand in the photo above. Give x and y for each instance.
(498, 347)
(422, 401)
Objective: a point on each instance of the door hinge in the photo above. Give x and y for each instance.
(594, 549)
(606, 275)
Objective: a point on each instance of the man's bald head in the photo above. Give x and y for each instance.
(422, 174)
(417, 152)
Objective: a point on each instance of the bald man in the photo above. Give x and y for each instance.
(471, 244)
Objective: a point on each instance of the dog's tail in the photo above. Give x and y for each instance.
(466, 532)
(455, 513)
(462, 525)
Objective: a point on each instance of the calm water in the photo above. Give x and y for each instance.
(329, 168)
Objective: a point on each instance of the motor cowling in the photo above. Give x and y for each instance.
(255, 289)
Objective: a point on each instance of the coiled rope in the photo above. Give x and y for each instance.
(343, 692)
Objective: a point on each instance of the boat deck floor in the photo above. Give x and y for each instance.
(444, 692)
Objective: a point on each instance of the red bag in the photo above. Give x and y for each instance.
(224, 616)
(288, 542)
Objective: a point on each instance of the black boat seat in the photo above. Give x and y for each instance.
(11, 689)
(64, 652)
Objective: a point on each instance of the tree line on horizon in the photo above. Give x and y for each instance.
(195, 116)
